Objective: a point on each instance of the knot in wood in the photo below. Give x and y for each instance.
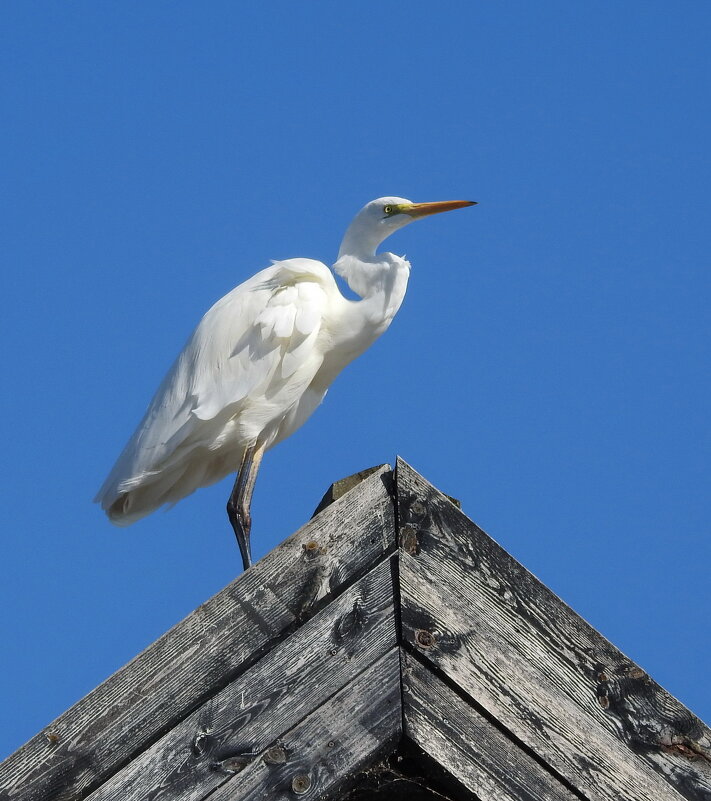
(200, 743)
(351, 622)
(233, 764)
(649, 719)
(301, 783)
(413, 510)
(418, 508)
(276, 755)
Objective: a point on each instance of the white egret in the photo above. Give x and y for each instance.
(257, 366)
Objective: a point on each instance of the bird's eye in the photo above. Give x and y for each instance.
(388, 209)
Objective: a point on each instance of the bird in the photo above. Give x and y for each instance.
(256, 368)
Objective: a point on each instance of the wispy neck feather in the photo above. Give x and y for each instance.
(363, 277)
(381, 283)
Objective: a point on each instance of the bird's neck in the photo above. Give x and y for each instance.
(379, 279)
(361, 240)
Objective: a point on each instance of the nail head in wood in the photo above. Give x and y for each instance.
(312, 549)
(301, 783)
(425, 639)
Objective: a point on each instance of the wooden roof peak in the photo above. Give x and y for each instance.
(388, 649)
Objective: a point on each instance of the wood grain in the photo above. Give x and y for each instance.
(242, 720)
(195, 659)
(352, 729)
(468, 746)
(534, 664)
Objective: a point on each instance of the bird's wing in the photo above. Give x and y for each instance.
(256, 344)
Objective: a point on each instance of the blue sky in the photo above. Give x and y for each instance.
(547, 366)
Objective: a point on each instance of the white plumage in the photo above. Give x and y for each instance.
(241, 375)
(259, 363)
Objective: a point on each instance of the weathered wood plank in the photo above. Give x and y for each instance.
(356, 726)
(464, 743)
(291, 681)
(535, 665)
(197, 657)
(513, 686)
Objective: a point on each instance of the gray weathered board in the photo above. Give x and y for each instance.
(389, 625)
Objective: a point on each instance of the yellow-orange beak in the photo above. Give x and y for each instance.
(425, 209)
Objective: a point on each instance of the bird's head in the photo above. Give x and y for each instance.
(380, 218)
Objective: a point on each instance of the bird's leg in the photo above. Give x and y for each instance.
(241, 499)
